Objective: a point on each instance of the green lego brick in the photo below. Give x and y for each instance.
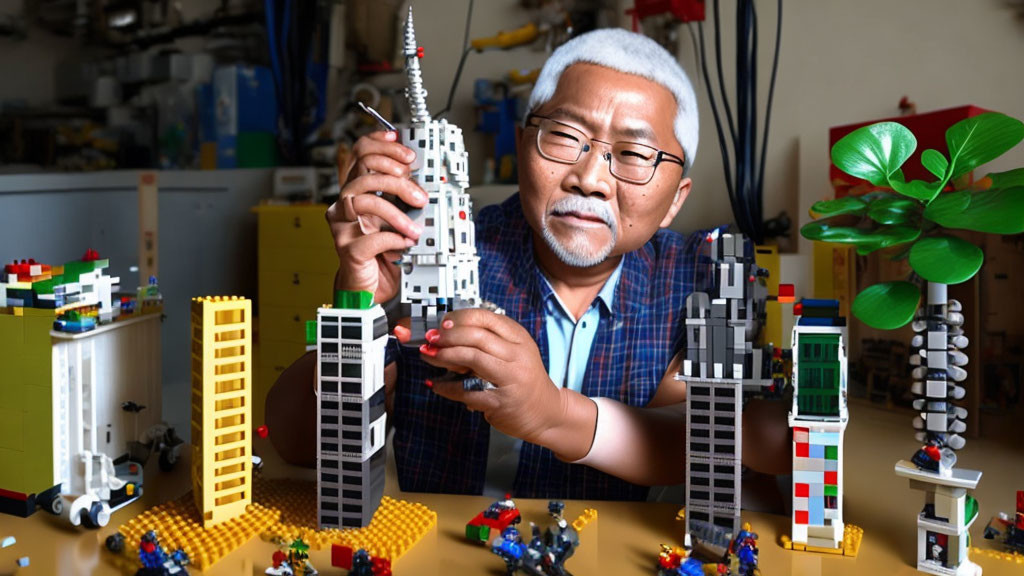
(74, 269)
(12, 428)
(831, 452)
(12, 473)
(480, 533)
(12, 337)
(831, 490)
(353, 300)
(310, 332)
(46, 286)
(971, 509)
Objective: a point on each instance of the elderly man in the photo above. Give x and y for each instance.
(592, 282)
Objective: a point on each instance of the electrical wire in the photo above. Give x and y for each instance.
(771, 96)
(727, 110)
(462, 61)
(718, 122)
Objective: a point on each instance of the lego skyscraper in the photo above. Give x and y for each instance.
(439, 273)
(721, 364)
(221, 407)
(350, 342)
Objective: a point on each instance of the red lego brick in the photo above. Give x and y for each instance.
(802, 450)
(800, 516)
(787, 293)
(832, 478)
(801, 490)
(341, 556)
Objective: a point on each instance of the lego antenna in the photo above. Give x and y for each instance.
(415, 92)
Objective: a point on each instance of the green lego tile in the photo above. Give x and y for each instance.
(831, 490)
(12, 335)
(12, 429)
(12, 473)
(831, 452)
(310, 332)
(353, 300)
(74, 269)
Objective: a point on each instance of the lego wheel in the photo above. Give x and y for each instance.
(56, 506)
(115, 542)
(96, 517)
(168, 459)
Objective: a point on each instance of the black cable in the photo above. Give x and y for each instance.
(771, 96)
(742, 117)
(721, 79)
(462, 61)
(696, 50)
(718, 122)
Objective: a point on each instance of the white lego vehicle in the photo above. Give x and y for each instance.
(100, 486)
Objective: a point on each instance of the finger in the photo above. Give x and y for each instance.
(473, 337)
(409, 191)
(367, 248)
(505, 327)
(430, 358)
(384, 165)
(384, 143)
(402, 331)
(372, 205)
(482, 364)
(477, 400)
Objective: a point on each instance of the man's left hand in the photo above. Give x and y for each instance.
(496, 348)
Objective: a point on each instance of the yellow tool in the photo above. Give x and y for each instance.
(504, 40)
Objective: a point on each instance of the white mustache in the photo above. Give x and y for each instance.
(585, 205)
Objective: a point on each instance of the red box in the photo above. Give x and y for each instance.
(341, 556)
(802, 450)
(832, 478)
(801, 490)
(800, 516)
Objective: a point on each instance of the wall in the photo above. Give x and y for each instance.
(206, 237)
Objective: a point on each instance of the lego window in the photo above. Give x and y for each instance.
(422, 143)
(433, 290)
(352, 407)
(328, 520)
(351, 466)
(328, 447)
(352, 448)
(351, 509)
(329, 492)
(332, 464)
(351, 370)
(329, 347)
(356, 435)
(428, 222)
(329, 369)
(352, 494)
(464, 240)
(328, 419)
(350, 479)
(351, 421)
(328, 405)
(328, 433)
(429, 178)
(352, 332)
(326, 477)
(328, 330)
(328, 387)
(430, 241)
(430, 162)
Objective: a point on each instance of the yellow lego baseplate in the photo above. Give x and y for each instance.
(1014, 557)
(395, 528)
(850, 545)
(283, 510)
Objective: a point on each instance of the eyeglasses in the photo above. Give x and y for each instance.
(628, 161)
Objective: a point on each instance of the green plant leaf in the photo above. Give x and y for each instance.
(935, 162)
(996, 211)
(866, 241)
(874, 152)
(947, 205)
(1008, 179)
(945, 259)
(893, 210)
(845, 205)
(888, 305)
(919, 189)
(980, 139)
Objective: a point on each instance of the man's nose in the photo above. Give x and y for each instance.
(594, 174)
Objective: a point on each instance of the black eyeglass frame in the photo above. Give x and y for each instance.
(662, 156)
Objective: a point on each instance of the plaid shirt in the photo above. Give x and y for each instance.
(442, 447)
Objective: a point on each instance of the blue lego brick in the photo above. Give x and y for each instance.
(805, 321)
(820, 303)
(817, 451)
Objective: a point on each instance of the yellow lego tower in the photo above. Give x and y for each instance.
(221, 407)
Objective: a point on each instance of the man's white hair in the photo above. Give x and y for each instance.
(630, 53)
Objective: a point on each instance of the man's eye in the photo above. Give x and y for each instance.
(564, 136)
(634, 155)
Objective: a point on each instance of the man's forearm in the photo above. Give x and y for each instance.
(570, 439)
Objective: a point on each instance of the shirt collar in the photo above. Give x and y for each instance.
(606, 296)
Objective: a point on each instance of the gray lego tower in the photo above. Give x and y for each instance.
(439, 273)
(721, 364)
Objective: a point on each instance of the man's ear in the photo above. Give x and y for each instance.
(682, 192)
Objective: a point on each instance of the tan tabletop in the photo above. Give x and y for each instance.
(623, 541)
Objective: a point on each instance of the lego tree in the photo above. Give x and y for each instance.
(913, 220)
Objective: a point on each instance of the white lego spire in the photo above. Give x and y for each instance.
(415, 92)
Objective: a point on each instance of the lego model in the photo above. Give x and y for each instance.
(818, 418)
(294, 562)
(156, 562)
(359, 562)
(744, 550)
(440, 273)
(498, 516)
(948, 511)
(1010, 531)
(543, 555)
(350, 342)
(721, 368)
(221, 407)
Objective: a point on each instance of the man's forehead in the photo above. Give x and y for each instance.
(623, 128)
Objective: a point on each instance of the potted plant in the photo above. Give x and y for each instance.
(912, 220)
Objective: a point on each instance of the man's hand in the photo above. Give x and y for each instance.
(369, 232)
(525, 403)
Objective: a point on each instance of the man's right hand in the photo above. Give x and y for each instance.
(370, 233)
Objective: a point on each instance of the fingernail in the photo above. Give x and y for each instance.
(391, 135)
(448, 324)
(409, 242)
(432, 336)
(419, 196)
(428, 350)
(417, 228)
(429, 383)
